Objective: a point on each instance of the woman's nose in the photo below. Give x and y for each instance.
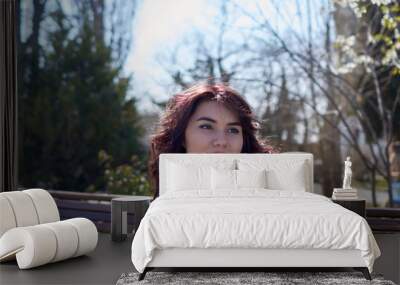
(220, 139)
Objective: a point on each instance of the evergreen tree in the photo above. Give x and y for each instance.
(77, 108)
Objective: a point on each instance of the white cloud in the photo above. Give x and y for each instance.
(160, 23)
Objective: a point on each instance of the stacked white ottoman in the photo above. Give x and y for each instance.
(31, 230)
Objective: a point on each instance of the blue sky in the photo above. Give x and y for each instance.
(160, 25)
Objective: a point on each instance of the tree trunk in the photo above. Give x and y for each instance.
(330, 138)
(97, 7)
(373, 187)
(38, 10)
(390, 190)
(330, 154)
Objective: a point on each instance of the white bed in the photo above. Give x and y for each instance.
(227, 217)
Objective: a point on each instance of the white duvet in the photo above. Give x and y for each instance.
(254, 218)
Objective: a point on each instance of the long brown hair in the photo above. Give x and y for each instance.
(170, 132)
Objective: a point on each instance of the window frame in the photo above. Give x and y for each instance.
(71, 203)
(8, 97)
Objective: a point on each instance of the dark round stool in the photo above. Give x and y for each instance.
(126, 214)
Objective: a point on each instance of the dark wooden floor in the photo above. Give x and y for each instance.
(110, 259)
(102, 266)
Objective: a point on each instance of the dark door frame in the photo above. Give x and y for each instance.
(8, 97)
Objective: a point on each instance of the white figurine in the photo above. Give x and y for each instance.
(347, 174)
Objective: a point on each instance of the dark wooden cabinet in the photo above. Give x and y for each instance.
(357, 206)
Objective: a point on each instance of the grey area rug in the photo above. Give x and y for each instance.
(225, 278)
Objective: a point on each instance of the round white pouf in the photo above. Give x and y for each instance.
(7, 218)
(67, 239)
(23, 208)
(45, 205)
(40, 244)
(87, 234)
(33, 246)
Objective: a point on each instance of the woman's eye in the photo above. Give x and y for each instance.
(234, 131)
(205, 127)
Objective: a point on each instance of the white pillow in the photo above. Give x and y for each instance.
(251, 178)
(184, 178)
(225, 179)
(288, 174)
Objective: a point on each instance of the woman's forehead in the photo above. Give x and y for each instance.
(215, 110)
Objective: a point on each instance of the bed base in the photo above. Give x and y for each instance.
(363, 270)
(244, 259)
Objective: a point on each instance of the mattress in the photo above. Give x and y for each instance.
(251, 219)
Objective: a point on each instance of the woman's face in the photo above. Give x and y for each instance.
(213, 129)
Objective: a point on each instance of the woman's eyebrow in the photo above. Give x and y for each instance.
(206, 119)
(214, 121)
(235, 124)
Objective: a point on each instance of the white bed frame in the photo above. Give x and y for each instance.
(250, 257)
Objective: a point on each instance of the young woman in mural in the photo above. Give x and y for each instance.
(206, 118)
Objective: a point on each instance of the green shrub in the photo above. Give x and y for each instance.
(125, 179)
